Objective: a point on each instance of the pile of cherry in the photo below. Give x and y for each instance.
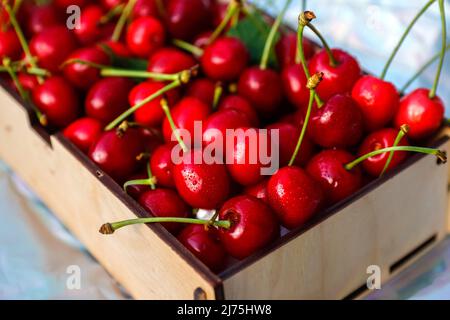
(123, 116)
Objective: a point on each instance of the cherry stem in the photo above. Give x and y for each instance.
(234, 8)
(150, 181)
(166, 109)
(271, 37)
(16, 6)
(441, 155)
(7, 65)
(403, 37)
(122, 20)
(403, 131)
(218, 91)
(332, 59)
(115, 72)
(196, 51)
(115, 11)
(433, 90)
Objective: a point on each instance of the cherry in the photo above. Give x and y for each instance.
(63, 4)
(205, 245)
(144, 36)
(57, 100)
(377, 140)
(88, 30)
(52, 46)
(108, 98)
(253, 226)
(165, 203)
(80, 74)
(187, 18)
(9, 45)
(170, 61)
(378, 101)
(225, 59)
(327, 168)
(258, 191)
(29, 82)
(294, 84)
(286, 49)
(423, 115)
(294, 196)
(203, 39)
(84, 132)
(152, 138)
(262, 88)
(145, 8)
(118, 48)
(115, 153)
(151, 113)
(137, 190)
(202, 89)
(110, 4)
(336, 79)
(201, 185)
(42, 17)
(339, 123)
(240, 104)
(161, 165)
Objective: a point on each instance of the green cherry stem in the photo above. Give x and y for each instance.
(271, 37)
(122, 20)
(441, 155)
(196, 51)
(332, 59)
(402, 132)
(403, 37)
(115, 11)
(443, 49)
(166, 109)
(218, 91)
(7, 65)
(150, 181)
(234, 8)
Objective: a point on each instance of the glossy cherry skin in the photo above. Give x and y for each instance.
(294, 196)
(28, 81)
(202, 89)
(253, 226)
(84, 132)
(378, 101)
(9, 45)
(81, 75)
(52, 46)
(108, 98)
(423, 115)
(204, 186)
(116, 154)
(170, 61)
(286, 49)
(110, 4)
(63, 4)
(161, 165)
(240, 104)
(42, 17)
(205, 245)
(89, 29)
(145, 8)
(187, 18)
(262, 88)
(225, 59)
(57, 100)
(258, 191)
(294, 86)
(339, 123)
(165, 203)
(383, 138)
(151, 114)
(327, 168)
(144, 36)
(338, 79)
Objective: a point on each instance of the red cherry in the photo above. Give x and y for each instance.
(262, 88)
(381, 139)
(52, 46)
(144, 36)
(165, 203)
(145, 8)
(202, 89)
(170, 61)
(83, 133)
(286, 49)
(202, 40)
(294, 196)
(57, 100)
(161, 165)
(294, 85)
(378, 101)
(258, 191)
(253, 226)
(151, 114)
(328, 169)
(9, 45)
(110, 4)
(338, 123)
(205, 245)
(338, 79)
(116, 153)
(152, 138)
(81, 75)
(88, 30)
(118, 48)
(108, 98)
(63, 4)
(28, 81)
(216, 125)
(225, 59)
(42, 17)
(137, 190)
(423, 115)
(240, 104)
(201, 185)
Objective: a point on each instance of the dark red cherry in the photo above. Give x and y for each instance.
(89, 28)
(9, 45)
(339, 123)
(57, 100)
(110, 4)
(258, 191)
(118, 48)
(202, 185)
(338, 79)
(63, 4)
(84, 132)
(205, 245)
(108, 98)
(144, 36)
(202, 89)
(378, 101)
(151, 114)
(80, 74)
(152, 138)
(286, 49)
(262, 88)
(253, 226)
(217, 124)
(383, 138)
(203, 39)
(170, 61)
(225, 59)
(137, 190)
(145, 8)
(116, 153)
(294, 85)
(52, 47)
(28, 81)
(423, 115)
(327, 168)
(294, 196)
(161, 165)
(43, 17)
(240, 104)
